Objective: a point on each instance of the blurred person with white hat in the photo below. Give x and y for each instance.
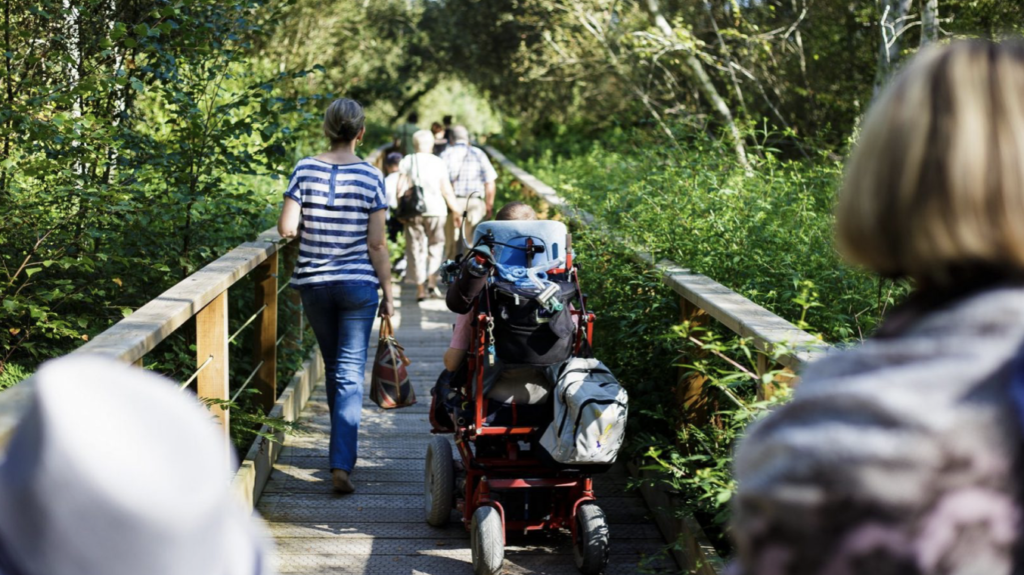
(113, 471)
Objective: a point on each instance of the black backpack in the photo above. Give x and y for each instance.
(525, 332)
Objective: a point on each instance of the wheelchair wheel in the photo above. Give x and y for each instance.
(487, 540)
(439, 481)
(592, 539)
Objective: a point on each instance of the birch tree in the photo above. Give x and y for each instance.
(929, 21)
(703, 81)
(893, 23)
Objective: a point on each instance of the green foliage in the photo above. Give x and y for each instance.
(13, 374)
(136, 147)
(247, 422)
(592, 65)
(767, 235)
(761, 234)
(138, 142)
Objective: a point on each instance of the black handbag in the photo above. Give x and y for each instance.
(413, 202)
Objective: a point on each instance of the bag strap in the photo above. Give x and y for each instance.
(414, 176)
(387, 334)
(465, 157)
(415, 170)
(386, 330)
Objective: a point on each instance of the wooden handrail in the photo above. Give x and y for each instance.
(136, 335)
(202, 295)
(770, 333)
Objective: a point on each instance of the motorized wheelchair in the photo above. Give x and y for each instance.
(501, 482)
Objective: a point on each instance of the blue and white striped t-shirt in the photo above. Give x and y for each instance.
(336, 201)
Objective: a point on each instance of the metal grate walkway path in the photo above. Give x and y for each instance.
(380, 529)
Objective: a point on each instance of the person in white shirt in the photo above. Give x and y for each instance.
(424, 234)
(391, 176)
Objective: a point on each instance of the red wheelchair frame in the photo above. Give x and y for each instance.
(515, 470)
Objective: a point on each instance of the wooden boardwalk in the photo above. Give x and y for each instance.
(380, 529)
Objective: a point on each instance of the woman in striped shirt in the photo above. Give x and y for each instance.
(336, 205)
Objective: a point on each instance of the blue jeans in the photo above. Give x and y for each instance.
(342, 318)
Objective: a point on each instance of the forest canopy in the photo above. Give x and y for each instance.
(140, 140)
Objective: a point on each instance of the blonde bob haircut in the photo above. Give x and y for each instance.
(935, 186)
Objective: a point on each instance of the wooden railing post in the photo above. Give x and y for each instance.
(785, 376)
(291, 257)
(265, 335)
(690, 388)
(764, 390)
(212, 346)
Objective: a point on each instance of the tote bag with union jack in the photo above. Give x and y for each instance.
(390, 387)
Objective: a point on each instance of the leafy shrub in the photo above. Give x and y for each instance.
(759, 234)
(12, 375)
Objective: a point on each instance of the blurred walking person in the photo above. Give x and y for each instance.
(440, 143)
(424, 234)
(903, 455)
(391, 177)
(404, 132)
(448, 135)
(343, 259)
(473, 178)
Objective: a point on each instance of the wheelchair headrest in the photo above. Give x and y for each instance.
(547, 233)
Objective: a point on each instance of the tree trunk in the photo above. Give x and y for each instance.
(704, 83)
(892, 25)
(409, 102)
(929, 21)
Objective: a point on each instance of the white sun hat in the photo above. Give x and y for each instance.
(113, 471)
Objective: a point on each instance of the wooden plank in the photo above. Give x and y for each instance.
(212, 351)
(137, 334)
(265, 333)
(131, 338)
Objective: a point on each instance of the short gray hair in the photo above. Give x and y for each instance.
(423, 141)
(460, 133)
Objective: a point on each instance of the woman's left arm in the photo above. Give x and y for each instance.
(377, 245)
(291, 215)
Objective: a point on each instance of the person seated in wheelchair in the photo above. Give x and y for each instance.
(528, 336)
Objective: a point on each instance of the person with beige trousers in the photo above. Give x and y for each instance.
(424, 234)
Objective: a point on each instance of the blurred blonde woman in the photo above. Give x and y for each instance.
(424, 234)
(901, 456)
